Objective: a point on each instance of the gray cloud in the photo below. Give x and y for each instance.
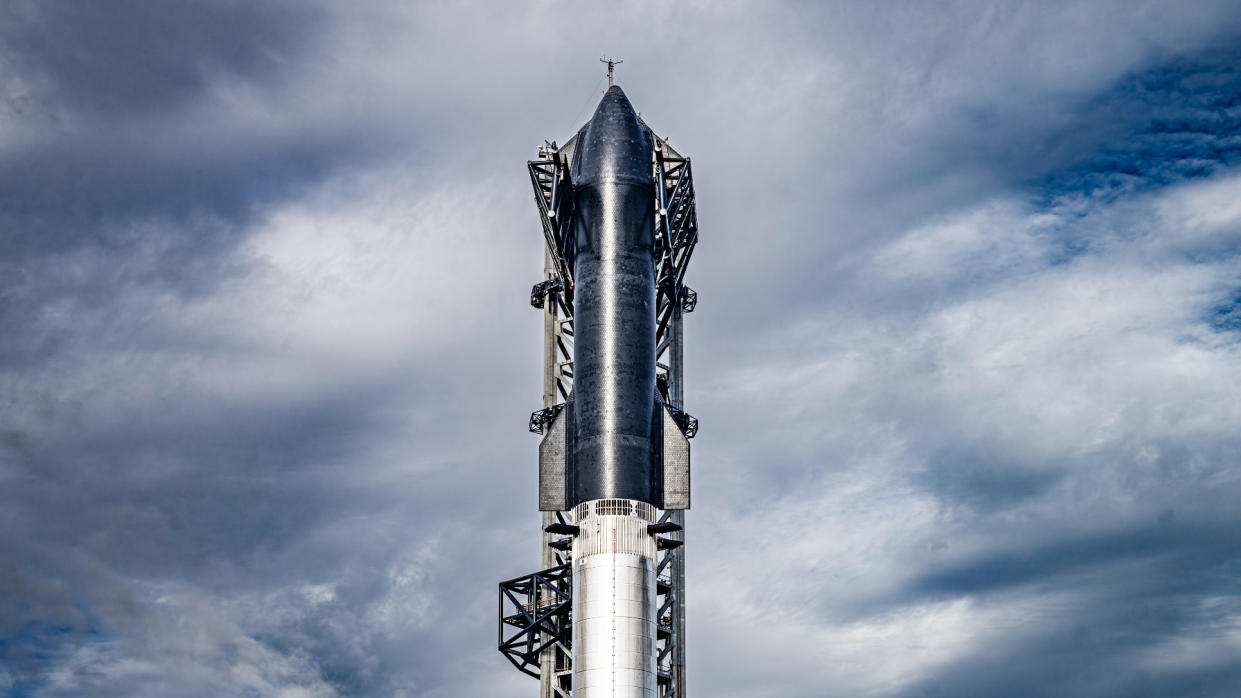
(132, 57)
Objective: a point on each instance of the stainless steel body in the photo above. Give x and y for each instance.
(614, 601)
(614, 324)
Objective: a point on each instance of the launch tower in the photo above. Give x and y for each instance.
(605, 616)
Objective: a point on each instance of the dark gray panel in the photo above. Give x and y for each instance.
(675, 466)
(553, 488)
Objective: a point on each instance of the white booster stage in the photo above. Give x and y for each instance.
(614, 603)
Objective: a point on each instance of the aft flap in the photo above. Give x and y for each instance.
(554, 463)
(675, 470)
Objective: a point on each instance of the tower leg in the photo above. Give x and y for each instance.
(555, 663)
(676, 393)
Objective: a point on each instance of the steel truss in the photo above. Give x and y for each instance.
(534, 614)
(543, 640)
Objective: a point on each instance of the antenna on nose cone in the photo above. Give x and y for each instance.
(612, 63)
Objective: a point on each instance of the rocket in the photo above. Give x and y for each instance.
(614, 454)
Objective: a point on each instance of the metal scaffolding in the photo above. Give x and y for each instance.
(535, 619)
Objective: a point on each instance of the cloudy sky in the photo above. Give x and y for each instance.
(967, 354)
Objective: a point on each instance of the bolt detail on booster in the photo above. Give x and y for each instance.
(605, 619)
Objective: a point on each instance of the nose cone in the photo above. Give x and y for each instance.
(614, 148)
